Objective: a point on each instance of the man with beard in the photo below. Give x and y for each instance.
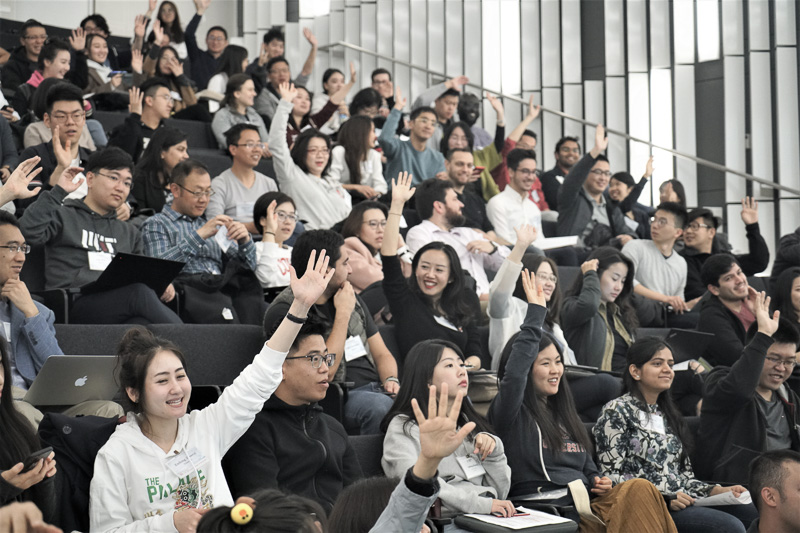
(437, 204)
(568, 151)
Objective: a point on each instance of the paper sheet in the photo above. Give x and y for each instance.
(556, 242)
(726, 498)
(535, 518)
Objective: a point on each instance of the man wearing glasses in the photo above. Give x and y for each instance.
(149, 106)
(292, 445)
(218, 283)
(414, 156)
(237, 189)
(81, 236)
(23, 61)
(747, 407)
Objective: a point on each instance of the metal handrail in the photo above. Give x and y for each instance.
(676, 153)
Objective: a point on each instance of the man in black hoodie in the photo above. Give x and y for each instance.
(292, 445)
(24, 59)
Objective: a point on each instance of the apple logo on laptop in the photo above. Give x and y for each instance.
(80, 382)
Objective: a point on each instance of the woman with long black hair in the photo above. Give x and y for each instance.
(232, 61)
(151, 177)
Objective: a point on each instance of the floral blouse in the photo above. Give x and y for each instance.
(634, 440)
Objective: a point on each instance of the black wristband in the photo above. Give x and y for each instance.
(423, 487)
(296, 319)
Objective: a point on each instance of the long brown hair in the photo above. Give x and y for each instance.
(353, 136)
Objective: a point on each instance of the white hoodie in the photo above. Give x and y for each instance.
(134, 488)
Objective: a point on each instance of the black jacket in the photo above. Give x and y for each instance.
(728, 330)
(551, 186)
(788, 255)
(294, 448)
(18, 69)
(752, 263)
(130, 135)
(733, 429)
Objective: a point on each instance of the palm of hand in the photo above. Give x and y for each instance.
(438, 437)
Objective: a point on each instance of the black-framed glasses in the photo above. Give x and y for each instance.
(694, 226)
(789, 364)
(198, 194)
(251, 145)
(116, 179)
(17, 248)
(374, 224)
(317, 358)
(599, 172)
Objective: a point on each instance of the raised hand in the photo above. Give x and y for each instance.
(16, 185)
(78, 39)
(648, 169)
(533, 291)
(310, 37)
(352, 73)
(63, 153)
(263, 55)
(201, 6)
(526, 234)
(600, 139)
(402, 190)
(533, 111)
(400, 100)
(271, 222)
(457, 82)
(497, 105)
(116, 80)
(591, 264)
(139, 26)
(287, 91)
(749, 210)
(309, 288)
(176, 67)
(137, 61)
(151, 5)
(136, 96)
(65, 180)
(766, 324)
(158, 32)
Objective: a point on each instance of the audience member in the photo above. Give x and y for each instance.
(435, 301)
(482, 490)
(547, 446)
(96, 24)
(747, 407)
(354, 161)
(80, 235)
(99, 75)
(332, 82)
(624, 192)
(727, 311)
(292, 444)
(237, 189)
(672, 191)
(568, 152)
(512, 206)
(38, 132)
(645, 417)
(460, 171)
(415, 155)
(9, 158)
(787, 295)
(237, 108)
(772, 478)
(136, 482)
(788, 255)
(438, 207)
(362, 356)
(275, 219)
(218, 283)
(584, 210)
(277, 73)
(163, 63)
(360, 505)
(302, 118)
(367, 102)
(382, 83)
(444, 99)
(598, 317)
(661, 272)
(24, 59)
(152, 176)
(702, 241)
(273, 48)
(232, 61)
(204, 62)
(469, 111)
(303, 174)
(150, 105)
(169, 20)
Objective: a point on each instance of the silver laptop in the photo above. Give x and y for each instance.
(72, 379)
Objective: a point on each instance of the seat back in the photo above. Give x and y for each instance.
(652, 332)
(369, 450)
(198, 134)
(90, 339)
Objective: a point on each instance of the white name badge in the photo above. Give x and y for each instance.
(99, 260)
(184, 464)
(244, 211)
(354, 348)
(7, 330)
(652, 423)
(471, 466)
(446, 323)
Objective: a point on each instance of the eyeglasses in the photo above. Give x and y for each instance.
(199, 194)
(606, 173)
(282, 216)
(251, 145)
(167, 97)
(525, 172)
(128, 183)
(425, 121)
(17, 248)
(694, 226)
(317, 358)
(660, 222)
(544, 278)
(375, 223)
(77, 116)
(36, 37)
(569, 150)
(315, 151)
(789, 364)
(210, 38)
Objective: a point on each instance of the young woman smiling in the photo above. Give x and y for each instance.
(275, 217)
(237, 108)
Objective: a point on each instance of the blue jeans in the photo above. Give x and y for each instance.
(365, 408)
(722, 519)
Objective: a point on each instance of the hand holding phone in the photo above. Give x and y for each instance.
(34, 458)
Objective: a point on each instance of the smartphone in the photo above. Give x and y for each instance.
(35, 457)
(115, 72)
(6, 107)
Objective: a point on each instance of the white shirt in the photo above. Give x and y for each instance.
(371, 170)
(458, 238)
(509, 209)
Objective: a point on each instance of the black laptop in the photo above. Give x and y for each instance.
(126, 269)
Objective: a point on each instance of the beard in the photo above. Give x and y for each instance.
(455, 220)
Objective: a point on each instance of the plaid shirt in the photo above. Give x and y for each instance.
(170, 235)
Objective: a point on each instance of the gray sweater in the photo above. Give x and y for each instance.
(226, 118)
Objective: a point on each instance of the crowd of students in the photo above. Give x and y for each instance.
(425, 223)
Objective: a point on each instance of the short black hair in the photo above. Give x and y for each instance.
(449, 92)
(624, 177)
(563, 140)
(517, 155)
(151, 85)
(7, 219)
(706, 214)
(279, 59)
(530, 133)
(186, 168)
(313, 326)
(217, 28)
(317, 239)
(274, 33)
(453, 151)
(99, 21)
(714, 268)
(428, 192)
(420, 110)
(677, 211)
(28, 24)
(62, 92)
(380, 71)
(234, 133)
(262, 203)
(112, 158)
(50, 50)
(602, 157)
(365, 98)
(767, 470)
(787, 333)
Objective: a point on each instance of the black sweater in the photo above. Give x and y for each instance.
(414, 320)
(728, 330)
(294, 448)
